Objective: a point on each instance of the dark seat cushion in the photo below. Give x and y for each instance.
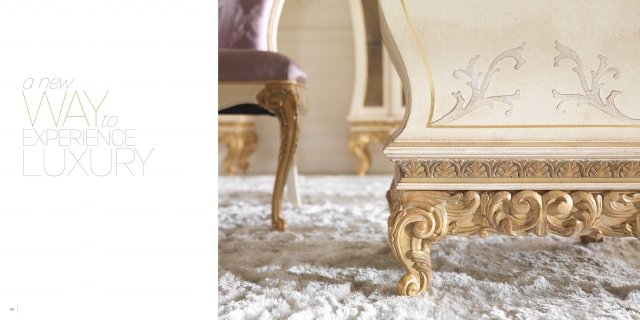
(246, 108)
(254, 65)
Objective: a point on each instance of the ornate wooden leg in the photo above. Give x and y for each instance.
(283, 100)
(594, 236)
(418, 219)
(358, 143)
(240, 145)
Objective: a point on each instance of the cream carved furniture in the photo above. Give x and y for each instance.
(523, 117)
(253, 78)
(376, 106)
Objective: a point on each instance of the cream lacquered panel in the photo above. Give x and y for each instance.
(543, 98)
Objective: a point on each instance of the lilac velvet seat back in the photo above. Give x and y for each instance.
(244, 24)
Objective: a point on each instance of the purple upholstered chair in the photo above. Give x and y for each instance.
(254, 79)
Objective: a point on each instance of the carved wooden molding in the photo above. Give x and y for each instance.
(519, 168)
(420, 218)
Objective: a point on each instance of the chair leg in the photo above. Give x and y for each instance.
(283, 100)
(292, 186)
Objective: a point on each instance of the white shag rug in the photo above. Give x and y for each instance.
(334, 263)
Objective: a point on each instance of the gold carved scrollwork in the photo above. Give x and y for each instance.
(619, 206)
(558, 212)
(420, 218)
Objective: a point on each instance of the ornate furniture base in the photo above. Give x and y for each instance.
(509, 129)
(363, 133)
(419, 218)
(238, 134)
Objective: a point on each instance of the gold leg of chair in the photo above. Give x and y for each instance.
(358, 143)
(283, 100)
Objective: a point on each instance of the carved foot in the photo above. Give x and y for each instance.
(278, 224)
(418, 219)
(283, 100)
(595, 236)
(419, 277)
(408, 285)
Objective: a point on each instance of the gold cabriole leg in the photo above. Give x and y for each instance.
(420, 218)
(358, 143)
(240, 146)
(283, 100)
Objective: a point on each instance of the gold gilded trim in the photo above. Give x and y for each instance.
(425, 60)
(535, 126)
(559, 170)
(515, 144)
(515, 181)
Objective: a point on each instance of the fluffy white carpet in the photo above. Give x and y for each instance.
(334, 263)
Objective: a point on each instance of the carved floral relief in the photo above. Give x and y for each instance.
(591, 92)
(591, 96)
(479, 83)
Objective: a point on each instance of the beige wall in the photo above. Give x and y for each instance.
(317, 35)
